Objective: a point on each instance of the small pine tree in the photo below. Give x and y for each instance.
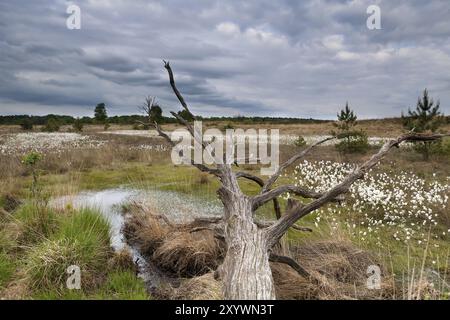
(425, 118)
(346, 119)
(352, 140)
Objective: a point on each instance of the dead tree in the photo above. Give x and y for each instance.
(245, 271)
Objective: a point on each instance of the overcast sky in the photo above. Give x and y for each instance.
(265, 57)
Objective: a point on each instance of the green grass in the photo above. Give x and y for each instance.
(185, 179)
(7, 268)
(119, 285)
(123, 285)
(36, 220)
(82, 239)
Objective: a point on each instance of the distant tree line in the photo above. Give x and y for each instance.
(132, 119)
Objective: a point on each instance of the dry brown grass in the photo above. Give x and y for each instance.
(16, 290)
(203, 178)
(338, 268)
(122, 260)
(188, 253)
(289, 285)
(144, 230)
(204, 287)
(175, 249)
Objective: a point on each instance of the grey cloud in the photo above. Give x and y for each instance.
(290, 58)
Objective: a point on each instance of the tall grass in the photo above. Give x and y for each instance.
(7, 268)
(123, 285)
(36, 221)
(82, 239)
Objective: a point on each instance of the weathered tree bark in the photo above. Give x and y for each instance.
(245, 272)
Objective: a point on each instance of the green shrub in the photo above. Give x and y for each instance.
(83, 240)
(52, 125)
(441, 147)
(9, 202)
(228, 126)
(300, 141)
(27, 124)
(7, 268)
(356, 142)
(78, 125)
(119, 285)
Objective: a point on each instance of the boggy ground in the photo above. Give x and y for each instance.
(338, 256)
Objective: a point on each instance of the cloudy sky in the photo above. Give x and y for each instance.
(265, 57)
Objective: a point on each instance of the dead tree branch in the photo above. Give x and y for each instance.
(260, 182)
(282, 225)
(183, 121)
(290, 262)
(174, 88)
(261, 199)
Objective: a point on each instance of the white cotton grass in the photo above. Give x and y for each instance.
(401, 203)
(21, 143)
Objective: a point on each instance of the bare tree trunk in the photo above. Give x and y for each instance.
(245, 272)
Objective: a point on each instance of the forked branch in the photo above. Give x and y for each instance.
(183, 121)
(260, 182)
(261, 199)
(174, 88)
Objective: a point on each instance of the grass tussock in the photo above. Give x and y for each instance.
(7, 268)
(338, 269)
(82, 240)
(38, 244)
(36, 222)
(175, 249)
(188, 254)
(204, 287)
(122, 261)
(144, 230)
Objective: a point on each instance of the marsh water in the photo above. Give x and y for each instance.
(176, 206)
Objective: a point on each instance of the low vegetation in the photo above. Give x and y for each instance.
(38, 242)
